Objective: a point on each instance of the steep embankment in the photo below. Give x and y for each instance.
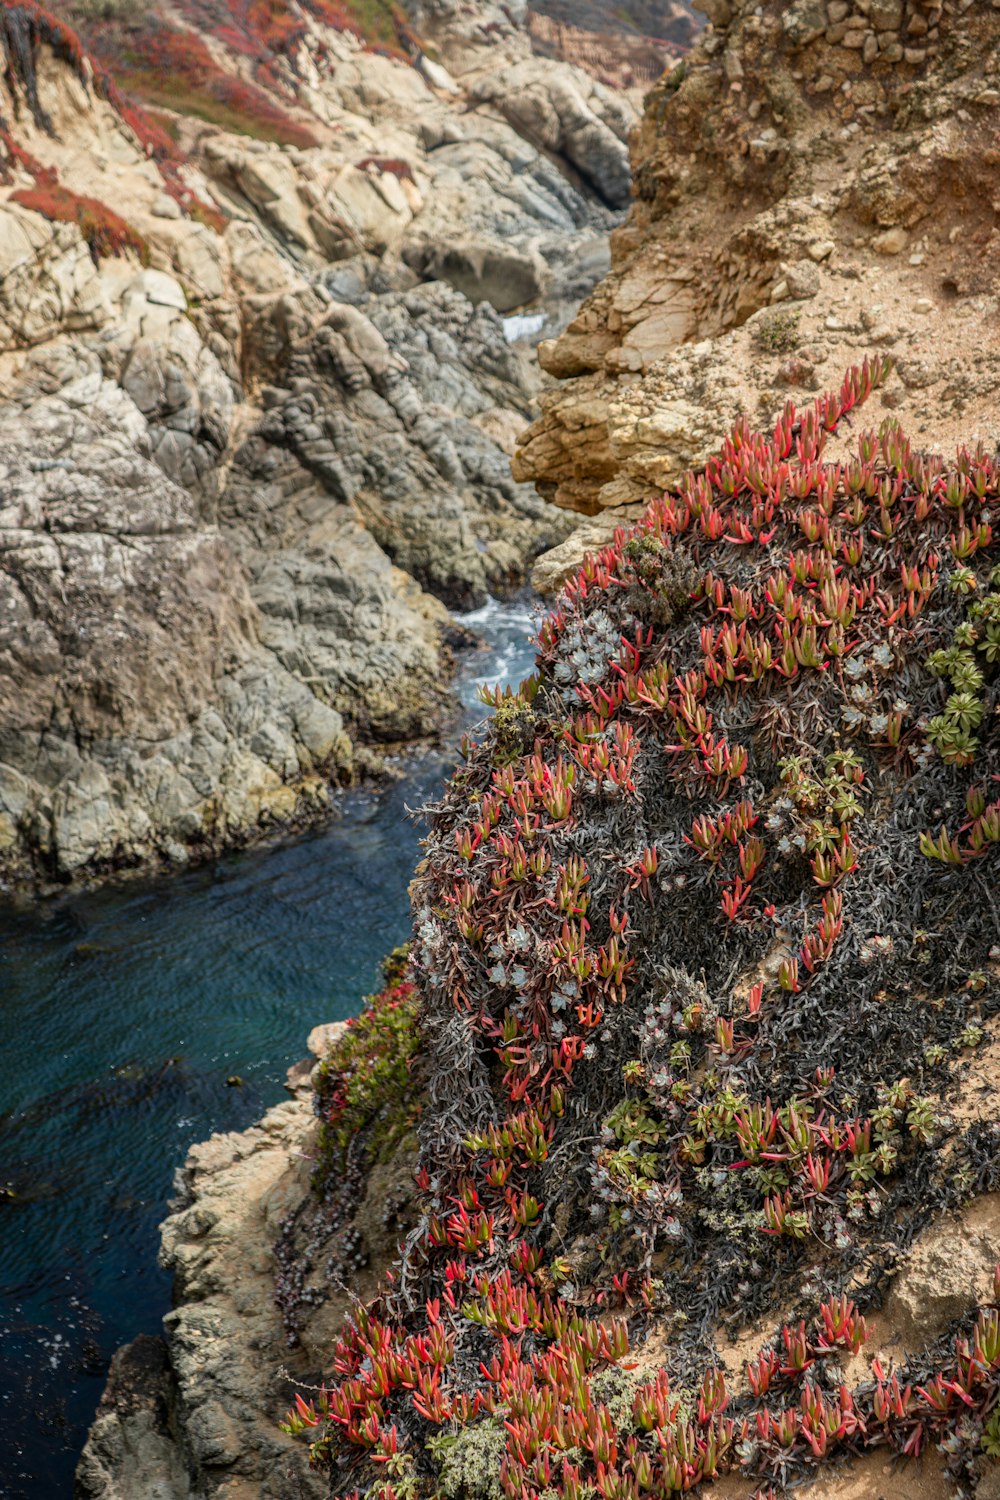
(258, 403)
(699, 1030)
(811, 182)
(705, 971)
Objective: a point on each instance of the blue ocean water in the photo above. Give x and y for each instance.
(124, 1011)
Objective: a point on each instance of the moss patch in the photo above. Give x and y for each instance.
(366, 1095)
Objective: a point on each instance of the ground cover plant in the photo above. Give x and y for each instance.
(25, 26)
(172, 66)
(367, 1096)
(105, 232)
(704, 938)
(234, 63)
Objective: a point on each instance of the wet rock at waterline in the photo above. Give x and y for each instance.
(193, 1424)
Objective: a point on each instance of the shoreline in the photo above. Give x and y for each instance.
(192, 1413)
(375, 767)
(130, 948)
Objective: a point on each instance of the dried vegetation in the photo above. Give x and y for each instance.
(705, 939)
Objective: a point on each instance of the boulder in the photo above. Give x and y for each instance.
(570, 116)
(481, 271)
(131, 1451)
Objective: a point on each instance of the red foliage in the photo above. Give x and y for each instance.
(17, 155)
(104, 231)
(798, 569)
(257, 29)
(162, 64)
(394, 165)
(395, 25)
(264, 30)
(24, 25)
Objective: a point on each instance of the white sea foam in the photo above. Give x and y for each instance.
(508, 628)
(523, 326)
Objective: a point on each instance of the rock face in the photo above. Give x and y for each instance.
(189, 1417)
(258, 405)
(673, 21)
(109, 583)
(395, 406)
(620, 59)
(809, 187)
(132, 1450)
(194, 1415)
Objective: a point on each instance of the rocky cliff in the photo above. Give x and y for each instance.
(258, 397)
(705, 947)
(699, 1034)
(811, 182)
(672, 21)
(190, 1415)
(272, 1237)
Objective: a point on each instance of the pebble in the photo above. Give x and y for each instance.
(891, 241)
(821, 249)
(923, 305)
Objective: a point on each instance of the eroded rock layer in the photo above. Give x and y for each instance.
(812, 183)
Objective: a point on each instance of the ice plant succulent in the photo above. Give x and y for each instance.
(674, 1007)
